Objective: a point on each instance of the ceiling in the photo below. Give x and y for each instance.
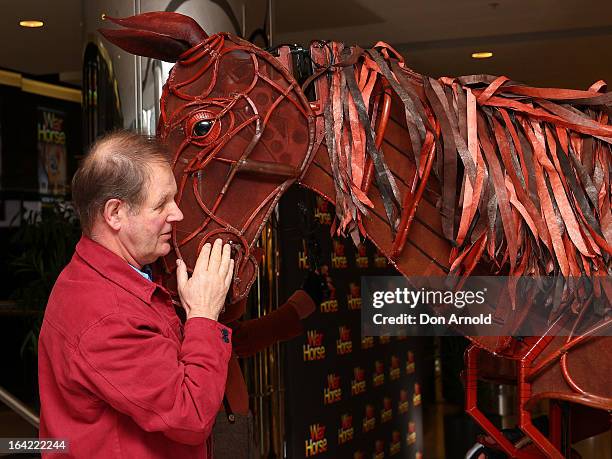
(564, 43)
(54, 48)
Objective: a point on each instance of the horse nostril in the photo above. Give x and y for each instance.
(235, 249)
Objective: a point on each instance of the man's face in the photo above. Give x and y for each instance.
(146, 232)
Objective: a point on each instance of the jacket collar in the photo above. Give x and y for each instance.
(114, 268)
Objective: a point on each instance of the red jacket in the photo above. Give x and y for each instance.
(119, 375)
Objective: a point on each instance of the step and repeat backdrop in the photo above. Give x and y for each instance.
(347, 396)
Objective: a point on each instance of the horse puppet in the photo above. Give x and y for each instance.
(475, 174)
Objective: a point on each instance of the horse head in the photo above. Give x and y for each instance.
(238, 125)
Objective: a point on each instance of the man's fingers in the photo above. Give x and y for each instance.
(215, 256)
(225, 260)
(203, 259)
(181, 274)
(229, 274)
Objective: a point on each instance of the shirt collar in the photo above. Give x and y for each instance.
(144, 272)
(114, 268)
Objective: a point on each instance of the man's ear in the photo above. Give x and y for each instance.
(113, 213)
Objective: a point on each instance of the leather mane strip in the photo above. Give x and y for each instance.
(524, 172)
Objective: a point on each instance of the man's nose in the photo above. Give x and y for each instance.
(175, 214)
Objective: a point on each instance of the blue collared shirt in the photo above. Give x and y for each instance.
(146, 272)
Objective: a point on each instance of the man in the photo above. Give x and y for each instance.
(120, 376)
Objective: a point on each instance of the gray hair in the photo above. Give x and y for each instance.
(118, 166)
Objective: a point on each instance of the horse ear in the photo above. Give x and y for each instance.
(160, 35)
(145, 43)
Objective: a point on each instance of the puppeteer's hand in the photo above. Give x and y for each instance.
(203, 294)
(314, 284)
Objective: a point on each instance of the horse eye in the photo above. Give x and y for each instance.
(202, 127)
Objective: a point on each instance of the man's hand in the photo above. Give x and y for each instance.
(203, 294)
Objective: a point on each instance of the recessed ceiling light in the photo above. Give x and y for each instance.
(31, 23)
(482, 55)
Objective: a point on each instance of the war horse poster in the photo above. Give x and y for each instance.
(51, 144)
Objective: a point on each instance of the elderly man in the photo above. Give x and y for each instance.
(120, 375)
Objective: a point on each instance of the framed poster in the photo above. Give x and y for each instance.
(52, 155)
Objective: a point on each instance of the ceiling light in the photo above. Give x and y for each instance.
(31, 23)
(482, 55)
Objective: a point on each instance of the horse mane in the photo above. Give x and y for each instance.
(524, 171)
